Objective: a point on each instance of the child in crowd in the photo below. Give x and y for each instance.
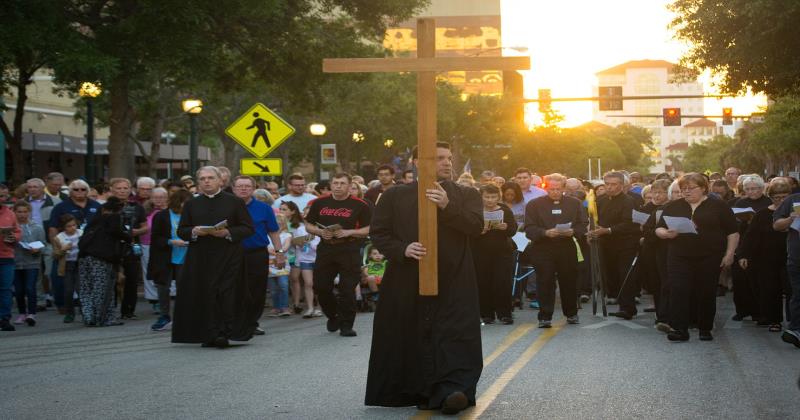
(27, 259)
(305, 249)
(279, 277)
(373, 271)
(65, 250)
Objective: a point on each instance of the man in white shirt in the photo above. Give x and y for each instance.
(297, 193)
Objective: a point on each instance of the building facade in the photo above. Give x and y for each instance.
(652, 77)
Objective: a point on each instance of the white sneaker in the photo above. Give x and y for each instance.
(317, 313)
(309, 313)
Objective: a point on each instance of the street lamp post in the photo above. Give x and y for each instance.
(192, 107)
(89, 91)
(318, 130)
(169, 136)
(358, 138)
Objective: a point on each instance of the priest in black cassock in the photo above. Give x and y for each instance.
(426, 350)
(204, 308)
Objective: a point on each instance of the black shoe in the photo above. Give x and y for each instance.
(791, 337)
(488, 320)
(333, 325)
(259, 331)
(738, 317)
(650, 309)
(507, 320)
(676, 335)
(298, 310)
(131, 317)
(347, 332)
(454, 403)
(622, 314)
(706, 336)
(221, 342)
(426, 407)
(6, 326)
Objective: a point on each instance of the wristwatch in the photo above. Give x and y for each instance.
(280, 251)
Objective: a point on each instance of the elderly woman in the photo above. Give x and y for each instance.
(763, 254)
(745, 285)
(694, 260)
(157, 201)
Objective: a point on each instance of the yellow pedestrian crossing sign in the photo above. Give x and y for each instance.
(261, 167)
(259, 130)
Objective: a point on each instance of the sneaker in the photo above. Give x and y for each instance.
(309, 313)
(259, 331)
(545, 323)
(6, 326)
(534, 304)
(584, 298)
(284, 313)
(20, 319)
(788, 336)
(162, 323)
(68, 318)
(636, 299)
(48, 301)
(30, 320)
(663, 327)
(317, 313)
(574, 320)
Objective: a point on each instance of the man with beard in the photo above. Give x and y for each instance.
(204, 310)
(426, 350)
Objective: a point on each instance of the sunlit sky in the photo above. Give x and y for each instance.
(571, 40)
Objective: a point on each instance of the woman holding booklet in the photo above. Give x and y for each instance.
(694, 260)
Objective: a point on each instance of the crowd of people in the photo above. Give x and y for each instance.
(308, 246)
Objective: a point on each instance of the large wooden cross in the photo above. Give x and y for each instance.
(425, 65)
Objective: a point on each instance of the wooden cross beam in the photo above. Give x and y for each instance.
(425, 65)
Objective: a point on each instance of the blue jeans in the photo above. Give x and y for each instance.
(6, 280)
(793, 269)
(25, 286)
(279, 289)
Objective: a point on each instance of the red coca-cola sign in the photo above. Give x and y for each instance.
(338, 212)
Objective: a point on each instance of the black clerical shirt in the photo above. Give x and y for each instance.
(544, 213)
(616, 214)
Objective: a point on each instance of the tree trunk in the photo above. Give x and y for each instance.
(155, 137)
(121, 159)
(15, 141)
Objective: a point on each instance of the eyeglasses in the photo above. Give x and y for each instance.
(79, 189)
(689, 189)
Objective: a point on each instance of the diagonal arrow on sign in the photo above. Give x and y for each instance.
(629, 324)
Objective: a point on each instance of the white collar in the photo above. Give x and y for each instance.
(213, 195)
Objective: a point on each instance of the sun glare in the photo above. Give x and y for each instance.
(571, 40)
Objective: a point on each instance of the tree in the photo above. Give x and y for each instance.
(746, 42)
(35, 36)
(194, 47)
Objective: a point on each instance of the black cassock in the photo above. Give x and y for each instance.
(212, 272)
(425, 347)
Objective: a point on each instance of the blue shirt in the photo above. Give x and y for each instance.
(532, 194)
(263, 223)
(67, 206)
(178, 252)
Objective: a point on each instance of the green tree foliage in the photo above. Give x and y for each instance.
(194, 46)
(707, 156)
(747, 42)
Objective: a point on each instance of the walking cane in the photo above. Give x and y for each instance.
(630, 270)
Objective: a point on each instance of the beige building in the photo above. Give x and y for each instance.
(652, 77)
(464, 28)
(55, 140)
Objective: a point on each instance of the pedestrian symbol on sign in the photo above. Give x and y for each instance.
(262, 126)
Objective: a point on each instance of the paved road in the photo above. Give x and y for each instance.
(599, 369)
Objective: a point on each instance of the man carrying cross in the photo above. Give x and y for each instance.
(426, 350)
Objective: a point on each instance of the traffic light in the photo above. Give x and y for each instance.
(727, 116)
(544, 100)
(605, 92)
(672, 117)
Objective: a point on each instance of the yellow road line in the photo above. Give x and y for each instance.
(507, 342)
(488, 397)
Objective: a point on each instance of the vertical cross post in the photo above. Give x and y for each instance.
(426, 164)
